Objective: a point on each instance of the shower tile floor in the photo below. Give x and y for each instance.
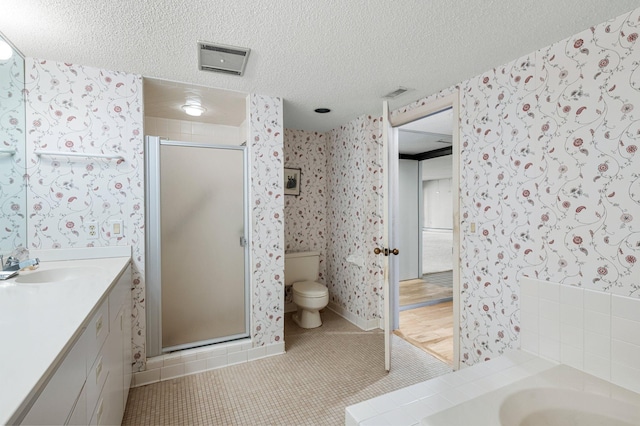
(324, 371)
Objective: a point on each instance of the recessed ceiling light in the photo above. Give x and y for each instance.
(193, 110)
(322, 110)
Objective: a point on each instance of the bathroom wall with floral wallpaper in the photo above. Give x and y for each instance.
(550, 176)
(13, 232)
(305, 215)
(84, 109)
(73, 108)
(265, 141)
(354, 226)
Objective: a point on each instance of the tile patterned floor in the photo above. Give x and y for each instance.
(323, 371)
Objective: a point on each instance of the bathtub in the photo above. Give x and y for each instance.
(560, 395)
(517, 388)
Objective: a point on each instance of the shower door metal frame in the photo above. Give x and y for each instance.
(153, 245)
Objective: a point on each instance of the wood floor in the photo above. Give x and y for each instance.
(429, 328)
(430, 287)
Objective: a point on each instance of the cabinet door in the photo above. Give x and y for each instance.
(59, 396)
(113, 408)
(126, 344)
(79, 414)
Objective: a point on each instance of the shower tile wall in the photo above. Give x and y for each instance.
(549, 162)
(85, 109)
(192, 131)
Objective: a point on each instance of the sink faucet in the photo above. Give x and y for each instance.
(14, 264)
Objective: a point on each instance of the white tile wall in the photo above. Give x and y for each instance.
(197, 360)
(188, 131)
(592, 331)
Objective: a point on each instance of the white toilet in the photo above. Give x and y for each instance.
(301, 271)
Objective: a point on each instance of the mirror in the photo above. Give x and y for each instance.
(13, 189)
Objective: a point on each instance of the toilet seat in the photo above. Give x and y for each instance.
(310, 289)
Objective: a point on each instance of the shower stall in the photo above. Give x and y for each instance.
(197, 253)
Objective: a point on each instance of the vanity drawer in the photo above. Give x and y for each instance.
(97, 332)
(61, 393)
(98, 416)
(96, 379)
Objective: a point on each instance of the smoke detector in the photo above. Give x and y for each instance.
(222, 58)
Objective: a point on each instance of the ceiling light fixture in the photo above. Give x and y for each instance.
(322, 110)
(193, 109)
(6, 52)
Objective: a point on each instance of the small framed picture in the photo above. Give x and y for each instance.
(292, 181)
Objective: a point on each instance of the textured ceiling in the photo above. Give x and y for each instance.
(344, 55)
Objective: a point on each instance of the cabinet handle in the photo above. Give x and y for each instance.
(98, 370)
(99, 413)
(98, 325)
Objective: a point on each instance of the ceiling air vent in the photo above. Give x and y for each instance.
(222, 58)
(399, 91)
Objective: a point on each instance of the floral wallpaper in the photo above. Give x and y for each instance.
(266, 150)
(354, 166)
(305, 216)
(73, 108)
(549, 173)
(13, 222)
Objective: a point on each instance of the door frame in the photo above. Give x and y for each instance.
(390, 303)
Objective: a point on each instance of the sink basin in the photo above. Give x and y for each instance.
(56, 275)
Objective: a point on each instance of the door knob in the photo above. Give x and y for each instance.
(395, 251)
(377, 250)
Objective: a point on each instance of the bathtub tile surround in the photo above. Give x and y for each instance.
(13, 232)
(267, 239)
(408, 406)
(84, 109)
(593, 331)
(474, 395)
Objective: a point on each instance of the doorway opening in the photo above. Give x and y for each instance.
(424, 306)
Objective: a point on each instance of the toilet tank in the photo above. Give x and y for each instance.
(302, 266)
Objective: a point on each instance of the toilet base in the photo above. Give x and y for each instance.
(307, 318)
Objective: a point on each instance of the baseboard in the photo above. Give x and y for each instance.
(361, 323)
(192, 361)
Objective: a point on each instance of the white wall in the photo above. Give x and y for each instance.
(437, 168)
(436, 188)
(438, 204)
(409, 223)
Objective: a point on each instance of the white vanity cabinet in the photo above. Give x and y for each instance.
(91, 384)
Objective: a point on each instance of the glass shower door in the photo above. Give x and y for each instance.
(202, 259)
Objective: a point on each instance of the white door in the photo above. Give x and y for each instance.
(390, 215)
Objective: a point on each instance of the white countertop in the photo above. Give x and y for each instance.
(40, 322)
